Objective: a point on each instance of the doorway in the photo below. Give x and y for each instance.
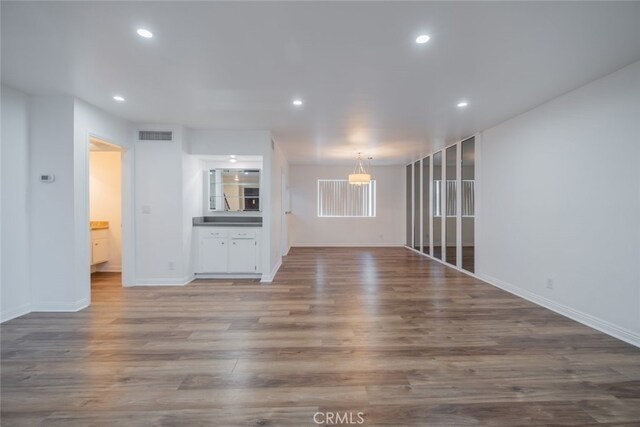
(105, 214)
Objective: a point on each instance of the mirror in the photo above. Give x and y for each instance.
(437, 205)
(468, 204)
(451, 233)
(234, 190)
(426, 243)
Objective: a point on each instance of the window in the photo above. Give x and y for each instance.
(338, 198)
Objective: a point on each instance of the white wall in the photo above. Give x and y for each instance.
(192, 204)
(105, 201)
(54, 216)
(15, 292)
(159, 211)
(53, 241)
(386, 229)
(91, 121)
(279, 221)
(560, 188)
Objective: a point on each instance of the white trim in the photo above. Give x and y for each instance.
(430, 207)
(268, 278)
(15, 312)
(459, 205)
(477, 209)
(166, 282)
(600, 325)
(608, 328)
(229, 276)
(60, 306)
(421, 205)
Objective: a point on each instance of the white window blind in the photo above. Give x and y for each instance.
(338, 198)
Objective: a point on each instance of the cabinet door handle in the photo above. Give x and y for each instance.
(234, 243)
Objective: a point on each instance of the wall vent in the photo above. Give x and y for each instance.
(155, 135)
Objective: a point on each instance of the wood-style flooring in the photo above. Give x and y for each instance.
(382, 331)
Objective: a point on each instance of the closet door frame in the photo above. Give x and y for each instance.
(459, 205)
(430, 203)
(420, 205)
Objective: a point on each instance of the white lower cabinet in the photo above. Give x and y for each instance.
(242, 256)
(228, 250)
(99, 246)
(214, 254)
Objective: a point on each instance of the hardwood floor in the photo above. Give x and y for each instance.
(383, 331)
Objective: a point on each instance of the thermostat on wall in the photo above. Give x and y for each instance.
(47, 178)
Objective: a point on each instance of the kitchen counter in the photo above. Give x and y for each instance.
(227, 221)
(98, 225)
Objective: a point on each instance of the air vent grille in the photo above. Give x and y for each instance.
(155, 135)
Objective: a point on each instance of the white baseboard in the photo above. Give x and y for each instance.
(165, 282)
(603, 326)
(348, 245)
(596, 323)
(60, 306)
(268, 278)
(230, 276)
(15, 312)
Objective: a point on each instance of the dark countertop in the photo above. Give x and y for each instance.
(227, 221)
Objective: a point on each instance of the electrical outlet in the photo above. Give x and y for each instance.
(549, 283)
(172, 265)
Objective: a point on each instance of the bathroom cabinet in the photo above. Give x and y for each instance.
(99, 246)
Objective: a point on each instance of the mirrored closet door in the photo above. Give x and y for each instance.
(468, 204)
(416, 206)
(436, 198)
(426, 218)
(451, 208)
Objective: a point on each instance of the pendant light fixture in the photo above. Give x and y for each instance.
(359, 176)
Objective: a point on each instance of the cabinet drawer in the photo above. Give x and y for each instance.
(242, 234)
(214, 233)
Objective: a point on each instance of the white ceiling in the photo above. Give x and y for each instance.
(367, 86)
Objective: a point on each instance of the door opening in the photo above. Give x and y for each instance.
(105, 214)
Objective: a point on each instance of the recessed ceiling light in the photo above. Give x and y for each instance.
(233, 160)
(462, 104)
(422, 39)
(297, 102)
(232, 156)
(144, 33)
(118, 98)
